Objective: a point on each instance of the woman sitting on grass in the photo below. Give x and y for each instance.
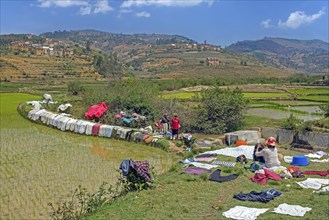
(270, 153)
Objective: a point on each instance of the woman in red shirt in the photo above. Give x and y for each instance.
(175, 125)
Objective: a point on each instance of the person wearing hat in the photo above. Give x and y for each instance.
(270, 153)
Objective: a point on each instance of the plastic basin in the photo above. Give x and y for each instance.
(299, 160)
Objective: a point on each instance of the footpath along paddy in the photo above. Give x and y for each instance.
(39, 164)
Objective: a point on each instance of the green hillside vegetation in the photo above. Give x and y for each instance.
(308, 56)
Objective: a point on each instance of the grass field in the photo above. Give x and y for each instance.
(318, 98)
(317, 91)
(184, 196)
(39, 164)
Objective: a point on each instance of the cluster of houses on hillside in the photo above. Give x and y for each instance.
(195, 46)
(50, 47)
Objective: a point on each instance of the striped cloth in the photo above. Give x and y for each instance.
(225, 163)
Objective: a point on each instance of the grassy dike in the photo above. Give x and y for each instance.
(183, 196)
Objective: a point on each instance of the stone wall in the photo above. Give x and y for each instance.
(287, 137)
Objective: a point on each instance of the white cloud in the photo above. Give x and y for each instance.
(143, 14)
(85, 10)
(266, 23)
(299, 18)
(61, 3)
(168, 3)
(87, 7)
(102, 6)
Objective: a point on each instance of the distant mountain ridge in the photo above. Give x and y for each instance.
(306, 56)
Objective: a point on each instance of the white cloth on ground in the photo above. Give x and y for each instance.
(201, 165)
(293, 210)
(288, 159)
(244, 213)
(323, 190)
(310, 155)
(36, 104)
(246, 150)
(313, 183)
(321, 161)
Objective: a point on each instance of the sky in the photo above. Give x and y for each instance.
(218, 22)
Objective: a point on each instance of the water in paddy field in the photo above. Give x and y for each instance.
(39, 164)
(277, 114)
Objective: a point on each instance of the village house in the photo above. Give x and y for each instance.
(212, 61)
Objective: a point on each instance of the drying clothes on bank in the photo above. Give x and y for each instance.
(196, 171)
(96, 111)
(205, 155)
(205, 159)
(263, 196)
(89, 128)
(244, 213)
(288, 159)
(262, 178)
(201, 165)
(321, 161)
(323, 190)
(95, 129)
(139, 168)
(313, 183)
(215, 176)
(142, 170)
(321, 173)
(310, 155)
(293, 210)
(234, 151)
(225, 163)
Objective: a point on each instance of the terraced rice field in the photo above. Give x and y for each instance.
(18, 68)
(40, 164)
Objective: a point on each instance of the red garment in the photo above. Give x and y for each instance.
(262, 178)
(175, 123)
(96, 111)
(293, 169)
(95, 129)
(321, 173)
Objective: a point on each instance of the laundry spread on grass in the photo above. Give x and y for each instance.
(203, 163)
(244, 213)
(234, 151)
(263, 196)
(293, 210)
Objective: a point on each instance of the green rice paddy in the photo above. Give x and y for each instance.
(39, 164)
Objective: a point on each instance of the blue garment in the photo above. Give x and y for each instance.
(126, 166)
(263, 196)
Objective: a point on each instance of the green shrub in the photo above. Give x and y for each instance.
(292, 123)
(325, 109)
(75, 88)
(220, 111)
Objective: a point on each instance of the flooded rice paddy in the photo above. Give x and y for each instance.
(39, 164)
(278, 114)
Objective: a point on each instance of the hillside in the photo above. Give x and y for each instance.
(151, 56)
(162, 56)
(306, 56)
(45, 68)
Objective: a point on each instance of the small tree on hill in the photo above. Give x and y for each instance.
(220, 110)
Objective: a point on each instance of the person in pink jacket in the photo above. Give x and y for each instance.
(175, 125)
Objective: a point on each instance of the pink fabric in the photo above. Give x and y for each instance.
(118, 116)
(321, 173)
(95, 129)
(262, 178)
(96, 111)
